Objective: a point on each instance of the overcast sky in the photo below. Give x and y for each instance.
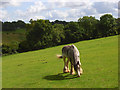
(68, 10)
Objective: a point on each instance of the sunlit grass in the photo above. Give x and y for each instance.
(41, 68)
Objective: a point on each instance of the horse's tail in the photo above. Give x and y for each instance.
(59, 56)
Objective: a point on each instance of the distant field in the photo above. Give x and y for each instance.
(11, 37)
(41, 68)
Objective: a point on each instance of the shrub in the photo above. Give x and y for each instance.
(6, 50)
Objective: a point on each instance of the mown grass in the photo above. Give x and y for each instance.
(41, 68)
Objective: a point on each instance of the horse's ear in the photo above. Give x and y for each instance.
(72, 46)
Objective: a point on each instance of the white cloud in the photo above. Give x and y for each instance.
(104, 7)
(4, 15)
(59, 9)
(32, 12)
(56, 14)
(17, 0)
(59, 14)
(38, 17)
(37, 7)
(8, 3)
(82, 0)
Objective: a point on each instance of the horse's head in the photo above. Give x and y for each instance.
(77, 68)
(77, 63)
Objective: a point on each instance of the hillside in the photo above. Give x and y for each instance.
(13, 37)
(41, 68)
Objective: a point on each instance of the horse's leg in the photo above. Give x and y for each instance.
(65, 67)
(72, 69)
(81, 70)
(68, 65)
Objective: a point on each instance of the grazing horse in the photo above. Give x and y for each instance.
(71, 52)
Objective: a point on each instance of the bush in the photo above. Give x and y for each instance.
(23, 47)
(6, 50)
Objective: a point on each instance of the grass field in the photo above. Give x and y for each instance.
(12, 37)
(41, 68)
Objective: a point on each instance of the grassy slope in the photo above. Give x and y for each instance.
(41, 69)
(11, 37)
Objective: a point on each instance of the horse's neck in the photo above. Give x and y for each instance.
(76, 50)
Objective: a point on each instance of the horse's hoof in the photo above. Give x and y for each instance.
(78, 76)
(72, 73)
(65, 71)
(68, 71)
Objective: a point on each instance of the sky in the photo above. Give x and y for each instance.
(65, 10)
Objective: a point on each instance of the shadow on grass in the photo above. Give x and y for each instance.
(60, 76)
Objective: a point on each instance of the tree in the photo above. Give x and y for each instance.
(118, 26)
(11, 26)
(72, 33)
(59, 22)
(88, 26)
(40, 35)
(58, 34)
(8, 26)
(107, 25)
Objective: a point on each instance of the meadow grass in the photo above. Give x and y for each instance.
(12, 37)
(41, 68)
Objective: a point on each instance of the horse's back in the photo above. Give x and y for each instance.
(66, 51)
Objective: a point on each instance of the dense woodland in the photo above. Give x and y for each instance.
(42, 34)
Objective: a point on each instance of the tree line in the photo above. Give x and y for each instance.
(12, 26)
(43, 33)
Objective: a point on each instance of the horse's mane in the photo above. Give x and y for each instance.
(75, 48)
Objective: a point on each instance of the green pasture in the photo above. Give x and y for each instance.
(13, 37)
(41, 68)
